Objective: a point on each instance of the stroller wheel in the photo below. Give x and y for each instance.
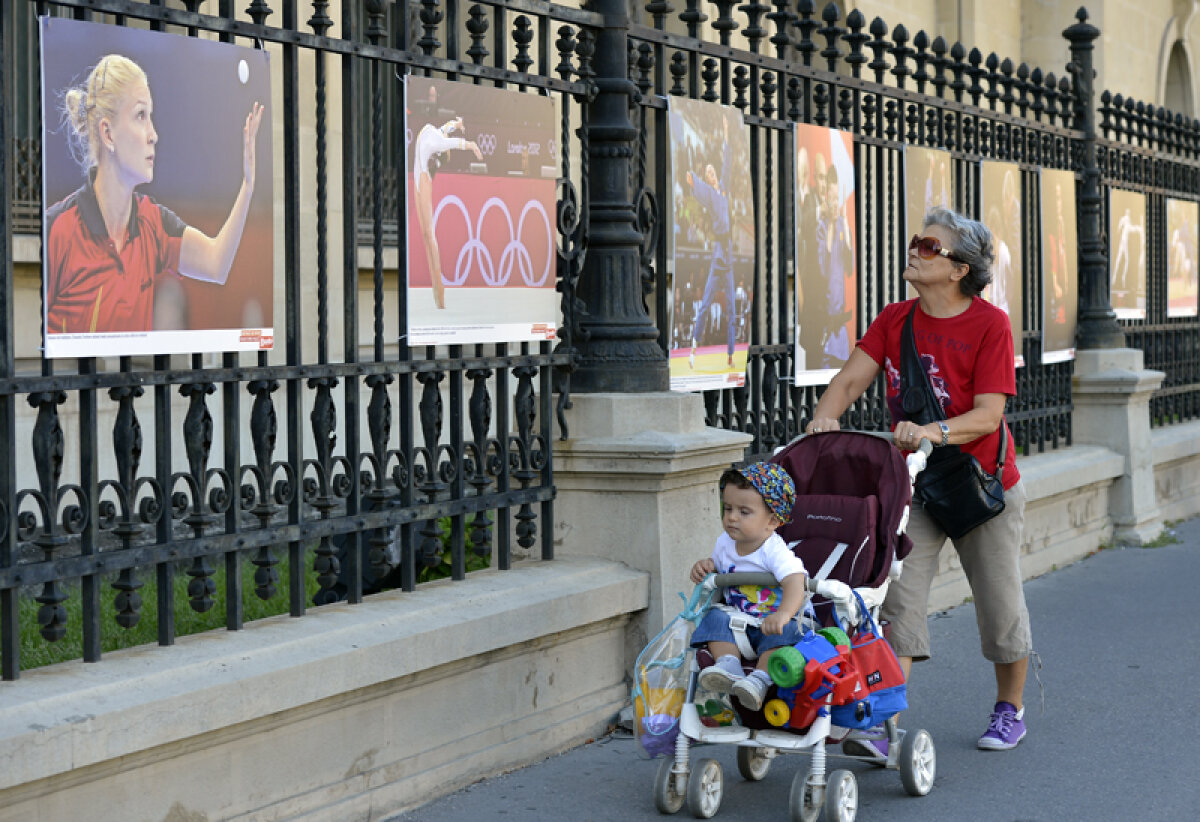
(753, 762)
(705, 789)
(666, 798)
(841, 797)
(918, 762)
(805, 799)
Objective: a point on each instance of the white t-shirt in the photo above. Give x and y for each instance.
(772, 556)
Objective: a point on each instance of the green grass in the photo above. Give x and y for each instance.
(1165, 537)
(36, 651)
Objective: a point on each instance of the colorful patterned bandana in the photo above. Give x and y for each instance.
(777, 489)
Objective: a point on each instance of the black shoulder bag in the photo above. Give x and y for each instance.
(953, 488)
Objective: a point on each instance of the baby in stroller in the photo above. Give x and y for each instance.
(824, 517)
(755, 501)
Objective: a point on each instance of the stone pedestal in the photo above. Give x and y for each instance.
(637, 483)
(1112, 408)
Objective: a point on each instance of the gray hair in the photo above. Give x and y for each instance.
(972, 246)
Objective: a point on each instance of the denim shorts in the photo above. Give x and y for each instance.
(715, 628)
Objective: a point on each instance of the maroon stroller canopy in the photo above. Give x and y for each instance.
(851, 487)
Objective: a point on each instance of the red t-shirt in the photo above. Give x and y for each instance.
(965, 355)
(92, 287)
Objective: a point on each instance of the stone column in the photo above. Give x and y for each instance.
(637, 483)
(1112, 408)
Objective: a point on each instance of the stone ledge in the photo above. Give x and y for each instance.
(1060, 472)
(1176, 442)
(71, 716)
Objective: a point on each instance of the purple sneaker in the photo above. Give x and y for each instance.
(871, 744)
(1005, 730)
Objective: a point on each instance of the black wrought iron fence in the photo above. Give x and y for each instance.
(890, 89)
(344, 454)
(396, 458)
(1155, 153)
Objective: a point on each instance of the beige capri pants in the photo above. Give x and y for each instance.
(990, 557)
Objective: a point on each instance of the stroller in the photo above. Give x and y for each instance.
(853, 491)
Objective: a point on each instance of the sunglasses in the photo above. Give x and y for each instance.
(929, 247)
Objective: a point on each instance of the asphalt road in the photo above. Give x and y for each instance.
(1118, 737)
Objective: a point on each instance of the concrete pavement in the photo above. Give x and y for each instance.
(1117, 739)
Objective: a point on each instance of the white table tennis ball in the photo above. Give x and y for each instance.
(243, 71)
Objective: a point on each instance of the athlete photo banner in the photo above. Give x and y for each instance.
(158, 227)
(1127, 253)
(826, 274)
(1181, 257)
(713, 242)
(1000, 200)
(481, 177)
(1060, 266)
(928, 182)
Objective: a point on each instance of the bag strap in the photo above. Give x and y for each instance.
(868, 622)
(1003, 452)
(919, 402)
(914, 376)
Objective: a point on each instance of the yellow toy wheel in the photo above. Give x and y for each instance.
(777, 712)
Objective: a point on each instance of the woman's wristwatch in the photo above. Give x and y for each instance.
(942, 424)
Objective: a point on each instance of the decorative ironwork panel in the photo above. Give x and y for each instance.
(344, 462)
(890, 88)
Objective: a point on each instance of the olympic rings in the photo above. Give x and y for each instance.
(515, 251)
(486, 143)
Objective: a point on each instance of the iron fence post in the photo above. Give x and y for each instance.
(1098, 326)
(10, 648)
(617, 343)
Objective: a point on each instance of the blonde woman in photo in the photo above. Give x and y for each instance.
(107, 245)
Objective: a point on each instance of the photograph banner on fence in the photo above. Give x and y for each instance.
(1060, 266)
(928, 182)
(157, 159)
(1000, 199)
(1181, 257)
(826, 274)
(1127, 253)
(481, 181)
(713, 208)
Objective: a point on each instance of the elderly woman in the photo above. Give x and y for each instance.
(966, 347)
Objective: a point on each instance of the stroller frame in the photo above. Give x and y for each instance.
(700, 784)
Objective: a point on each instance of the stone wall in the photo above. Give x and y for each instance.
(351, 713)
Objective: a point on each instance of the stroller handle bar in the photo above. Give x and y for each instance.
(915, 461)
(753, 578)
(926, 447)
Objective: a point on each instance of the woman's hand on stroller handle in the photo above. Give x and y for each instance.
(821, 425)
